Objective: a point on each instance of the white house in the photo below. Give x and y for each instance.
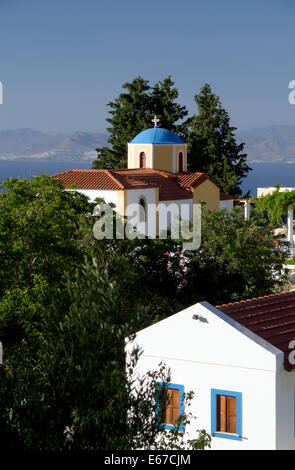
(235, 358)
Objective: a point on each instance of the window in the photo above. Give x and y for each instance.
(174, 408)
(142, 160)
(226, 414)
(142, 213)
(180, 161)
(226, 408)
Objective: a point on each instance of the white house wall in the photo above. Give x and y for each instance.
(214, 354)
(149, 195)
(271, 189)
(175, 206)
(285, 409)
(92, 194)
(226, 204)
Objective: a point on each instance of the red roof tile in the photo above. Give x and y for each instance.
(89, 179)
(171, 186)
(271, 317)
(191, 179)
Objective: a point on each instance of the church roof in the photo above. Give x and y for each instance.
(156, 135)
(171, 186)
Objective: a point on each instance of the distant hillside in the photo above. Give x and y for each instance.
(27, 144)
(269, 144)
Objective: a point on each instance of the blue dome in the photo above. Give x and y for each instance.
(156, 135)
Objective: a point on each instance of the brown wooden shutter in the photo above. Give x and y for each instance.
(231, 413)
(172, 410)
(169, 408)
(175, 405)
(221, 413)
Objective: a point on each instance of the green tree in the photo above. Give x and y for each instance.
(275, 204)
(44, 231)
(236, 260)
(79, 391)
(132, 113)
(212, 147)
(64, 341)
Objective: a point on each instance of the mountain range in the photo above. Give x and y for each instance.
(266, 144)
(28, 144)
(269, 144)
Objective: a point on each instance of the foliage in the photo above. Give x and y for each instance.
(63, 384)
(132, 112)
(276, 204)
(236, 260)
(74, 393)
(44, 231)
(212, 146)
(175, 438)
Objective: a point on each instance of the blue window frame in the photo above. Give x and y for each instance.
(238, 435)
(180, 388)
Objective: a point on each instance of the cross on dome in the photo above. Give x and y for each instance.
(155, 121)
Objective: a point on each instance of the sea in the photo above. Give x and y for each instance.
(262, 174)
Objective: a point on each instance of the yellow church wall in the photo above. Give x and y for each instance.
(130, 163)
(134, 151)
(163, 157)
(209, 193)
(122, 202)
(180, 148)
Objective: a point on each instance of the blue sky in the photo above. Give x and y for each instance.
(62, 61)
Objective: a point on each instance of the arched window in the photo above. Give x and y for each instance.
(142, 211)
(180, 161)
(142, 160)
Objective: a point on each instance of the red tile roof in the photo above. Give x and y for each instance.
(191, 179)
(171, 186)
(89, 179)
(271, 317)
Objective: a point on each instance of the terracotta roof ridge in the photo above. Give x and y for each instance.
(263, 297)
(86, 169)
(132, 169)
(108, 172)
(61, 173)
(259, 305)
(166, 174)
(193, 172)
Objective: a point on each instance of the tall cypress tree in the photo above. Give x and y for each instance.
(132, 113)
(212, 147)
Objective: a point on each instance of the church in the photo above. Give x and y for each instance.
(156, 177)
